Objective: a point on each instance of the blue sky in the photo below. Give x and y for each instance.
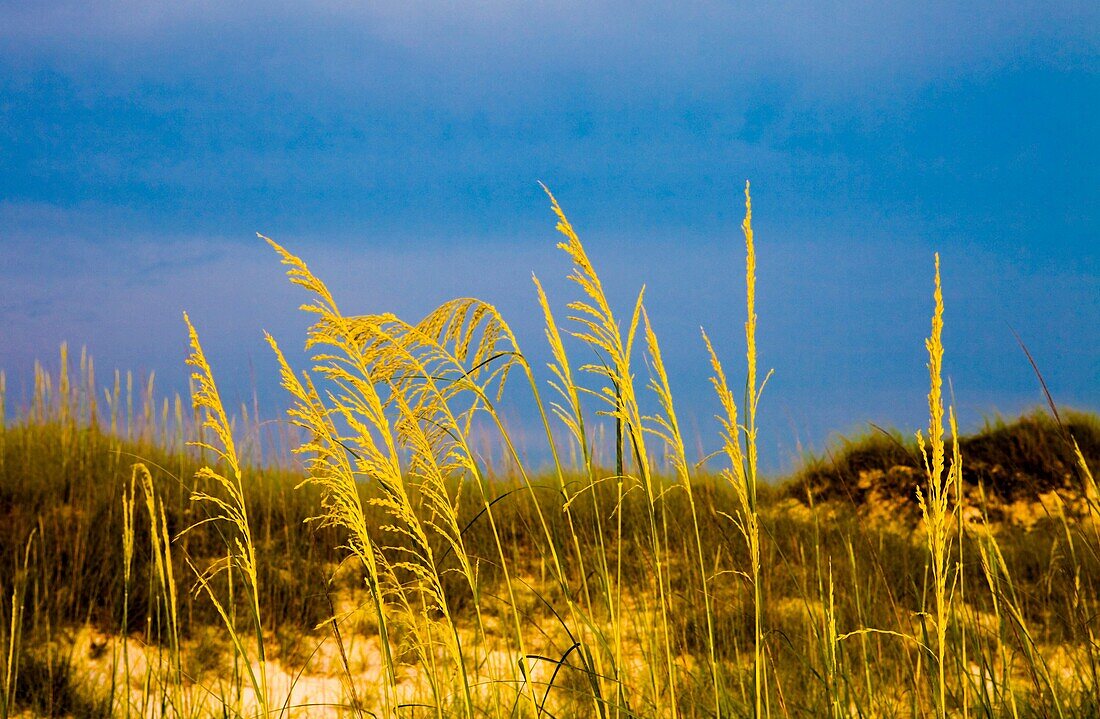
(397, 147)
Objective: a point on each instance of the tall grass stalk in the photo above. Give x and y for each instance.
(666, 426)
(571, 416)
(173, 694)
(128, 504)
(934, 506)
(15, 632)
(741, 474)
(230, 510)
(599, 329)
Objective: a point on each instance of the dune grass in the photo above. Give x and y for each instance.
(157, 564)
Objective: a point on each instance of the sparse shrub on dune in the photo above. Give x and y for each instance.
(1013, 459)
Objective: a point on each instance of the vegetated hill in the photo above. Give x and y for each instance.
(1012, 461)
(61, 519)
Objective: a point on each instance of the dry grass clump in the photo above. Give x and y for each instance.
(404, 578)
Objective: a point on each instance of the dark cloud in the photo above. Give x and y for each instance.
(494, 57)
